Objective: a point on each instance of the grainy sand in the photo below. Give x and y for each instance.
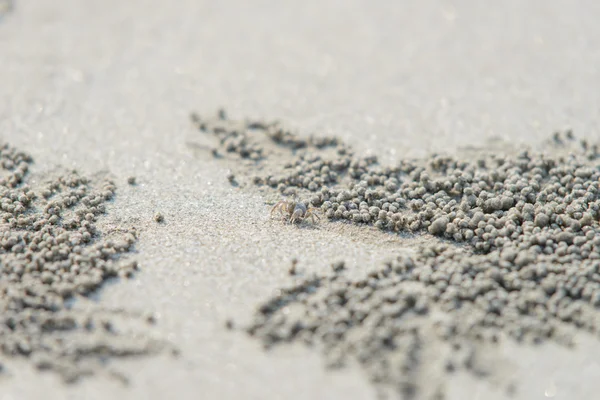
(107, 88)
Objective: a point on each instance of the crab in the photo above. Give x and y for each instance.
(295, 211)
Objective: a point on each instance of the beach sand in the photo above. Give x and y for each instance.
(108, 86)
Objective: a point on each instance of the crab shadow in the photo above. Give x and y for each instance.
(305, 225)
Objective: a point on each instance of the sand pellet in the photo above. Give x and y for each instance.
(514, 251)
(52, 252)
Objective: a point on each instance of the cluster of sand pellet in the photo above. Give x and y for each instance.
(51, 252)
(515, 253)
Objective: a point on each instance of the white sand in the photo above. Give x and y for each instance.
(108, 85)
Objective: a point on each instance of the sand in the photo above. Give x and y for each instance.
(108, 86)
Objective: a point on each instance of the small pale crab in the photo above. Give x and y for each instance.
(295, 211)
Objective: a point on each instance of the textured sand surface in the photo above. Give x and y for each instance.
(109, 85)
